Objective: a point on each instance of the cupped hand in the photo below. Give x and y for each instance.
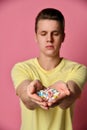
(32, 89)
(64, 92)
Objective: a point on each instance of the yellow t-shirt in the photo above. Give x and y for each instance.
(54, 118)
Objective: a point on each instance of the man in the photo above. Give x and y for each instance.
(48, 70)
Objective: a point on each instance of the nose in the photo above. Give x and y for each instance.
(49, 38)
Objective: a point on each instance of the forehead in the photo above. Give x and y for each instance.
(45, 24)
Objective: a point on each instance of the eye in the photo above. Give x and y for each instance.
(43, 33)
(56, 33)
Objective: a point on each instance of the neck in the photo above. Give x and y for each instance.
(49, 63)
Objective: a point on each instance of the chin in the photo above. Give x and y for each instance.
(51, 55)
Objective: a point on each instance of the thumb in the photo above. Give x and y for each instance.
(31, 88)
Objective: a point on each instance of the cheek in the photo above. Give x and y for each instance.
(58, 43)
(40, 40)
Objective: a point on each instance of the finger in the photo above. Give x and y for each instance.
(60, 97)
(35, 97)
(64, 89)
(31, 88)
(38, 85)
(44, 104)
(32, 95)
(67, 92)
(46, 108)
(51, 105)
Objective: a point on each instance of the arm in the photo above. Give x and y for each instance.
(21, 91)
(76, 80)
(75, 92)
(26, 88)
(69, 92)
(27, 93)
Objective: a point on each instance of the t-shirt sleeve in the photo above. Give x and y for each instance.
(19, 73)
(78, 75)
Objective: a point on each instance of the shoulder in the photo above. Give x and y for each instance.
(73, 64)
(77, 72)
(74, 68)
(25, 64)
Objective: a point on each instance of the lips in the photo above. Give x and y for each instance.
(49, 46)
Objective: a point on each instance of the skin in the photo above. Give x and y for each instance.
(49, 38)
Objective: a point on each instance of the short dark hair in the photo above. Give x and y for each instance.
(51, 14)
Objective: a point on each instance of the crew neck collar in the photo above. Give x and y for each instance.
(46, 71)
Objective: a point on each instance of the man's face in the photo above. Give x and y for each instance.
(49, 37)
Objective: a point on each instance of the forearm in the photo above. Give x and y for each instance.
(21, 91)
(74, 94)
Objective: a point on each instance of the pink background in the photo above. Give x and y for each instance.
(17, 44)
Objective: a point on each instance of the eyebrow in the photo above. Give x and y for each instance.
(52, 31)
